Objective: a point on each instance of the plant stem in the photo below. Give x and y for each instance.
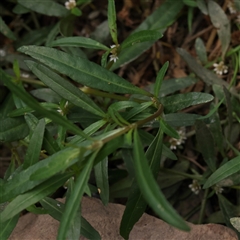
(203, 206)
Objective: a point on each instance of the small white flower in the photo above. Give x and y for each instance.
(176, 142)
(113, 58)
(220, 68)
(231, 7)
(218, 189)
(112, 46)
(70, 4)
(195, 187)
(25, 75)
(2, 53)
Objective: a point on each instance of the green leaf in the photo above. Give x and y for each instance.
(167, 152)
(6, 31)
(216, 129)
(21, 182)
(136, 203)
(181, 119)
(201, 50)
(160, 77)
(160, 19)
(76, 11)
(12, 129)
(180, 101)
(52, 34)
(79, 42)
(81, 70)
(47, 7)
(223, 172)
(36, 37)
(206, 144)
(22, 201)
(101, 176)
(6, 106)
(235, 221)
(35, 145)
(112, 20)
(66, 158)
(19, 9)
(73, 201)
(31, 102)
(49, 143)
(168, 129)
(88, 231)
(142, 36)
(74, 229)
(7, 227)
(175, 84)
(66, 26)
(64, 88)
(190, 3)
(138, 109)
(221, 23)
(150, 189)
(202, 6)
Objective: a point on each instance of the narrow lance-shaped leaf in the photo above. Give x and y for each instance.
(206, 144)
(222, 23)
(51, 167)
(12, 129)
(49, 7)
(159, 79)
(82, 70)
(180, 101)
(73, 201)
(136, 203)
(31, 102)
(223, 172)
(112, 20)
(35, 145)
(64, 88)
(142, 36)
(150, 188)
(79, 42)
(49, 143)
(168, 129)
(6, 31)
(25, 200)
(201, 50)
(8, 226)
(101, 175)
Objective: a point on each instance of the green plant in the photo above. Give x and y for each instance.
(75, 131)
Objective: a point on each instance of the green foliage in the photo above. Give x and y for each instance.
(79, 125)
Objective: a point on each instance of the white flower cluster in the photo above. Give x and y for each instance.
(220, 68)
(2, 53)
(62, 111)
(176, 142)
(218, 189)
(113, 56)
(231, 7)
(195, 187)
(70, 4)
(233, 10)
